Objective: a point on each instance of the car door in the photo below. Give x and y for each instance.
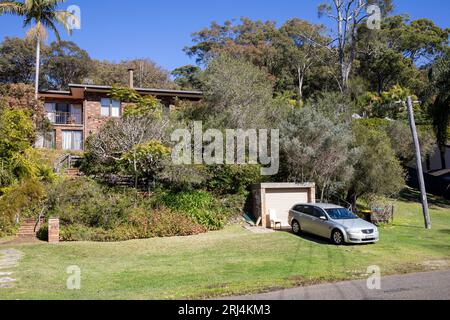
(306, 218)
(294, 214)
(320, 227)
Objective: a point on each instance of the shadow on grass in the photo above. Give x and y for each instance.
(405, 226)
(308, 237)
(413, 195)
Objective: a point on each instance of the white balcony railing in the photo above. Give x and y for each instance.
(64, 118)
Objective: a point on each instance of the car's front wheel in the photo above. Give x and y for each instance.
(337, 237)
(296, 228)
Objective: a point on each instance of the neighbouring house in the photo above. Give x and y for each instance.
(435, 162)
(436, 173)
(80, 112)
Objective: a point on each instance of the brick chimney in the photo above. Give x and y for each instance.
(131, 75)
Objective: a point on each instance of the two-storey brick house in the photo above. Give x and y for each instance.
(81, 111)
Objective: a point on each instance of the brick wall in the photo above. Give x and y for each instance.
(53, 230)
(93, 117)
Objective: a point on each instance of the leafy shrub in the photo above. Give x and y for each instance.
(166, 223)
(86, 202)
(233, 178)
(374, 123)
(181, 177)
(377, 171)
(42, 233)
(16, 131)
(159, 223)
(78, 232)
(20, 96)
(22, 200)
(238, 204)
(91, 212)
(201, 206)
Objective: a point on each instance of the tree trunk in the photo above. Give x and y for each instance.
(135, 172)
(346, 68)
(38, 64)
(322, 195)
(301, 76)
(352, 198)
(136, 179)
(380, 87)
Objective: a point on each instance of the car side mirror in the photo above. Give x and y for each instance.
(323, 218)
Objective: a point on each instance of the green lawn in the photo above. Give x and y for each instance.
(232, 261)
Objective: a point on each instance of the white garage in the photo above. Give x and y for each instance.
(272, 201)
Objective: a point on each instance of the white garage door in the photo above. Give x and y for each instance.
(282, 200)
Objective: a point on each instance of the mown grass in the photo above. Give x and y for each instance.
(228, 262)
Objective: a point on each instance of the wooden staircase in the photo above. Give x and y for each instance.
(29, 228)
(68, 165)
(73, 172)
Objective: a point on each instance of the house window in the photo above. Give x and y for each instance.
(64, 113)
(105, 107)
(115, 109)
(110, 108)
(50, 107)
(72, 140)
(63, 107)
(76, 113)
(46, 140)
(49, 140)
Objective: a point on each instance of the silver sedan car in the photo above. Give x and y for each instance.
(332, 222)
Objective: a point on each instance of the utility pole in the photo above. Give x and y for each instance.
(412, 123)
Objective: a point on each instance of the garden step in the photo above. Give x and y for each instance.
(73, 172)
(24, 230)
(28, 229)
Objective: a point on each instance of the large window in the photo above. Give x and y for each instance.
(110, 108)
(49, 140)
(76, 113)
(72, 140)
(64, 113)
(46, 140)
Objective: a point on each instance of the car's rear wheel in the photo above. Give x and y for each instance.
(337, 237)
(296, 228)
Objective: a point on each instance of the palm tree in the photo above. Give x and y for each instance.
(42, 14)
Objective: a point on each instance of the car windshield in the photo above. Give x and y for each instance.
(340, 214)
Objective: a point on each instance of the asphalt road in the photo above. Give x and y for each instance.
(417, 286)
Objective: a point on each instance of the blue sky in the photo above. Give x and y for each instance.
(160, 29)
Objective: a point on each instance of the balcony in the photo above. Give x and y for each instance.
(65, 118)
